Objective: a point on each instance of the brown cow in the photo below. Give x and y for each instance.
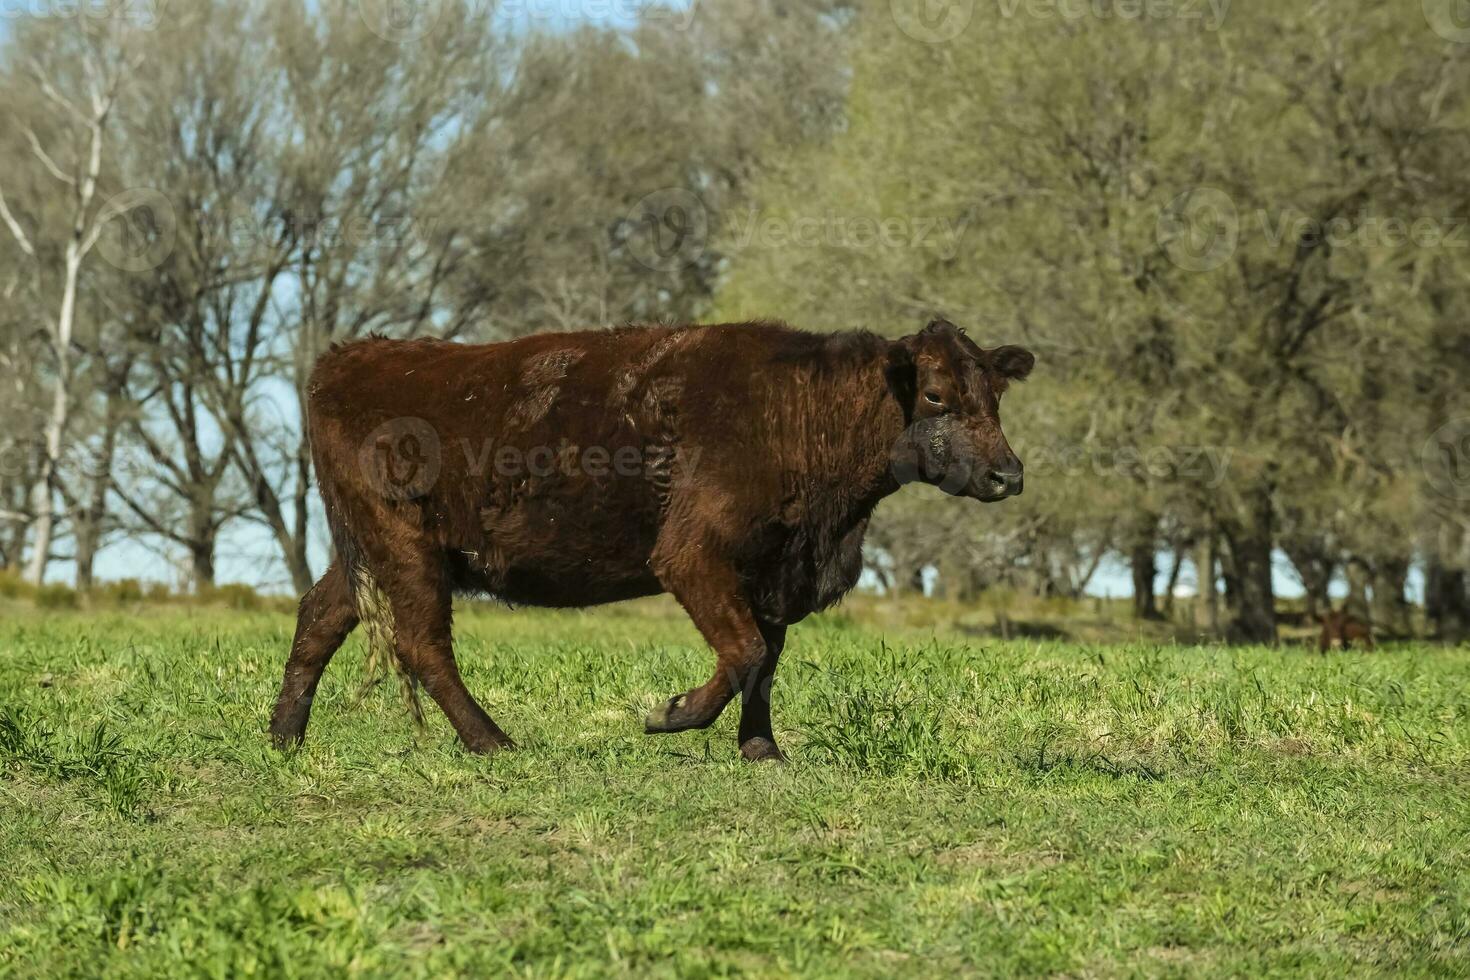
(1341, 630)
(734, 466)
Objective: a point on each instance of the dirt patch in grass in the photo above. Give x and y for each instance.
(1294, 747)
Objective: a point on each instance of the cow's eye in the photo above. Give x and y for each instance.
(933, 398)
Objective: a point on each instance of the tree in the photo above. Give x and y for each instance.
(1189, 225)
(64, 93)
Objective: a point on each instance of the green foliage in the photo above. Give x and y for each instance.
(232, 595)
(95, 756)
(132, 593)
(12, 586)
(54, 595)
(128, 591)
(1001, 808)
(883, 732)
(1201, 229)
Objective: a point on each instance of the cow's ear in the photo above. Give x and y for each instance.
(1012, 362)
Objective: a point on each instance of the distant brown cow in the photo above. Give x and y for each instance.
(1341, 630)
(734, 466)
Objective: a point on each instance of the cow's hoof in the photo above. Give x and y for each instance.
(286, 739)
(489, 746)
(664, 718)
(761, 750)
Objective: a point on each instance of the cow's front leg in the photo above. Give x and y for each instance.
(757, 741)
(714, 600)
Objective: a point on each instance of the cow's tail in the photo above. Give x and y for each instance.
(376, 614)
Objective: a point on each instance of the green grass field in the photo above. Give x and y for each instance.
(954, 805)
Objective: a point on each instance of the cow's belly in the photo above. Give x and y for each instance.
(558, 580)
(561, 552)
(566, 587)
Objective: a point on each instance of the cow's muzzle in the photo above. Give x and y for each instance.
(999, 483)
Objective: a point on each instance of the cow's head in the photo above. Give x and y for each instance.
(951, 392)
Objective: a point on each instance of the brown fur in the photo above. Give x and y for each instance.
(1341, 630)
(734, 466)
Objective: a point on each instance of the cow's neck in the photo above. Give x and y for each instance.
(868, 421)
(837, 426)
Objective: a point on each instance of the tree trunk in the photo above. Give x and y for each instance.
(17, 529)
(1142, 559)
(89, 540)
(201, 564)
(1078, 588)
(1390, 608)
(1176, 562)
(916, 581)
(1359, 574)
(290, 535)
(1316, 599)
(975, 584)
(83, 237)
(200, 544)
(1446, 590)
(43, 500)
(1447, 603)
(296, 561)
(1248, 591)
(90, 517)
(298, 567)
(1205, 571)
(292, 546)
(1314, 568)
(1145, 604)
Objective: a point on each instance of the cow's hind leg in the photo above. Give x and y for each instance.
(715, 603)
(324, 619)
(421, 598)
(757, 741)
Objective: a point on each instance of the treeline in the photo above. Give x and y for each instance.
(1241, 251)
(1239, 246)
(195, 206)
